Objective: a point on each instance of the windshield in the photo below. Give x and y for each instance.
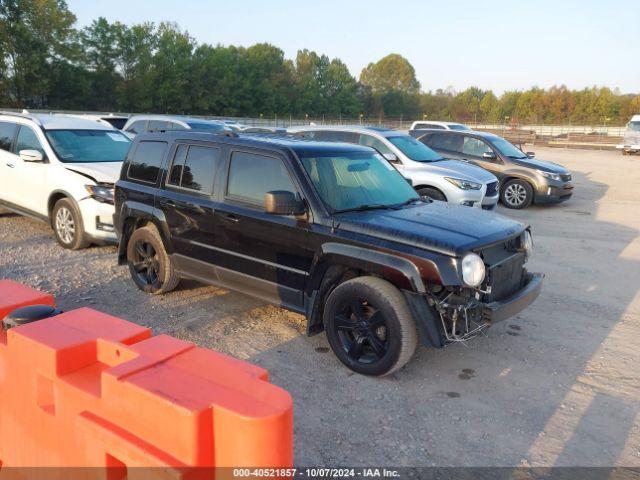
(206, 126)
(634, 126)
(84, 146)
(507, 149)
(414, 149)
(354, 180)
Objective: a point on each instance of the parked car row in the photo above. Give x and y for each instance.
(524, 179)
(322, 220)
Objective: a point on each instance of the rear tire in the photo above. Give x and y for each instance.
(68, 228)
(432, 193)
(516, 194)
(369, 326)
(150, 266)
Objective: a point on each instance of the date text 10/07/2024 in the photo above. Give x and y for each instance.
(316, 472)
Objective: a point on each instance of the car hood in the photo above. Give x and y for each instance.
(437, 226)
(543, 165)
(461, 169)
(100, 172)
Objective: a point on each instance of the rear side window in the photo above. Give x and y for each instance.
(137, 127)
(155, 125)
(194, 168)
(146, 161)
(7, 132)
(428, 125)
(251, 176)
(443, 141)
(336, 136)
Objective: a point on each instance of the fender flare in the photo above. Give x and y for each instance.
(136, 212)
(373, 261)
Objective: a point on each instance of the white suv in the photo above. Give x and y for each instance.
(62, 170)
(422, 124)
(431, 175)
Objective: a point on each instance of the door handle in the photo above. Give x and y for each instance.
(10, 165)
(231, 218)
(168, 203)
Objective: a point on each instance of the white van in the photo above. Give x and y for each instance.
(631, 141)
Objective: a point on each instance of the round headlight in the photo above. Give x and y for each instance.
(527, 243)
(472, 270)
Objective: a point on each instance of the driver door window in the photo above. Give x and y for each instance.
(251, 176)
(369, 141)
(475, 147)
(28, 140)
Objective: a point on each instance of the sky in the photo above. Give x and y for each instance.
(495, 44)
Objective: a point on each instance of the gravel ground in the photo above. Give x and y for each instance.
(556, 385)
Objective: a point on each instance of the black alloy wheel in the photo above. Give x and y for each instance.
(369, 326)
(145, 264)
(362, 332)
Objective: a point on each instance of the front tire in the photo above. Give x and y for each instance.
(369, 326)
(432, 193)
(150, 266)
(67, 225)
(516, 194)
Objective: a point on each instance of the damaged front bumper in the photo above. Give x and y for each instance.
(463, 316)
(501, 310)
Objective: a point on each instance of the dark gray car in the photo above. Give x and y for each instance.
(523, 179)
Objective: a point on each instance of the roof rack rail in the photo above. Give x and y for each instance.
(23, 114)
(169, 130)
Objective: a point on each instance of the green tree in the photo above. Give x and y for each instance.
(270, 76)
(34, 34)
(392, 73)
(101, 51)
(490, 108)
(169, 75)
(324, 86)
(135, 48)
(393, 81)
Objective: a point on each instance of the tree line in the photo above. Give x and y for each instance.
(46, 61)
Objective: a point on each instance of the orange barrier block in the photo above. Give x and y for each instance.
(87, 389)
(14, 295)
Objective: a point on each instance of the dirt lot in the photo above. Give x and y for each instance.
(557, 385)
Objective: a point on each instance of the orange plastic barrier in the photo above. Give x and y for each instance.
(87, 389)
(14, 295)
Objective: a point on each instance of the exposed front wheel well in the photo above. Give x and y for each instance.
(53, 199)
(431, 192)
(129, 226)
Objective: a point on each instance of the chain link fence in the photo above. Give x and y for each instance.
(588, 136)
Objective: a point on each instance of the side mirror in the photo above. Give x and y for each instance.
(489, 155)
(409, 181)
(531, 154)
(31, 156)
(281, 202)
(391, 157)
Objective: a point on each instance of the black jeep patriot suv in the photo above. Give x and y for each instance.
(329, 230)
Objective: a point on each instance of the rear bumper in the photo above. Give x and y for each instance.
(501, 310)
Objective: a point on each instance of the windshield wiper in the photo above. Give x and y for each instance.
(517, 158)
(409, 202)
(362, 208)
